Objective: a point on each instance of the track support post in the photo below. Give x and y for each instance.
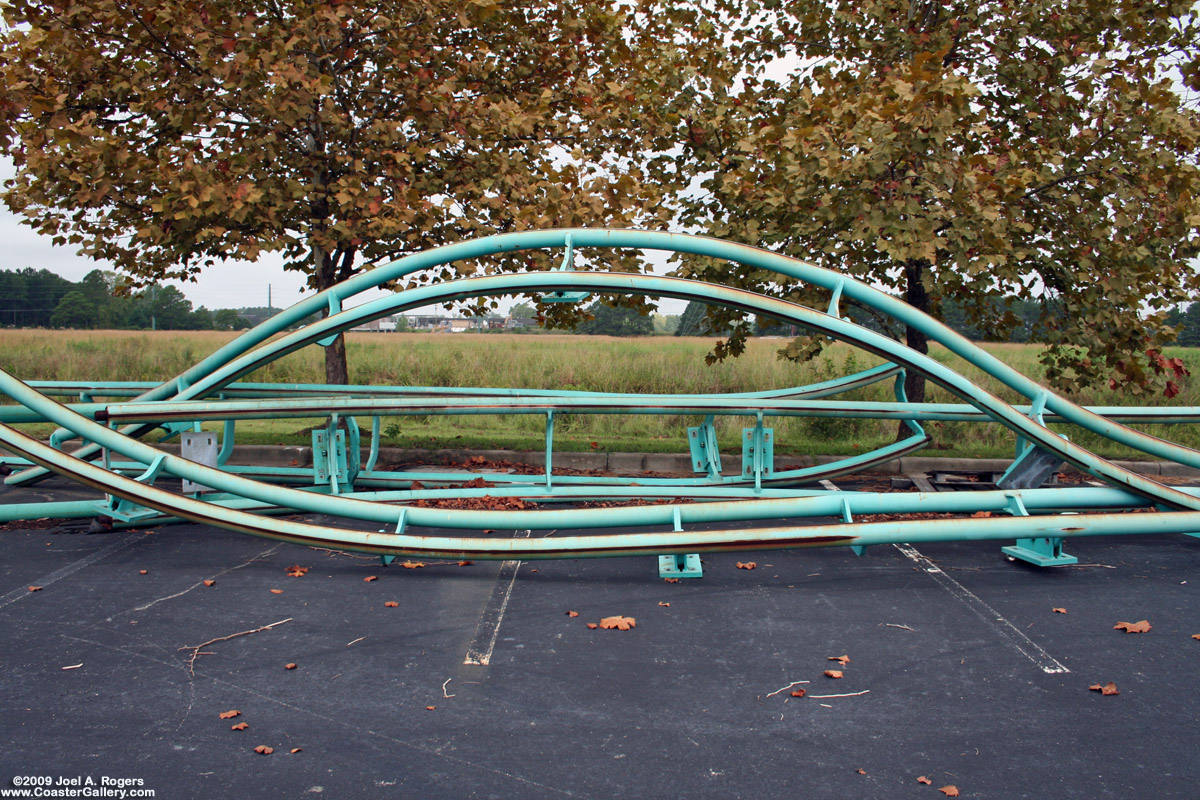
(680, 565)
(702, 443)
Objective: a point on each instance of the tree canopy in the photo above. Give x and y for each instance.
(608, 320)
(164, 135)
(975, 151)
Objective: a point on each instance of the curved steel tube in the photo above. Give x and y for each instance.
(685, 243)
(253, 350)
(674, 287)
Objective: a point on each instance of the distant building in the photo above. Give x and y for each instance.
(381, 325)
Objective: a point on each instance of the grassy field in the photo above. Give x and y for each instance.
(592, 363)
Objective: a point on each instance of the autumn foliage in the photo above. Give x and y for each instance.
(166, 135)
(980, 152)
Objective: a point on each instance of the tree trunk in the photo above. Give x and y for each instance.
(916, 296)
(337, 371)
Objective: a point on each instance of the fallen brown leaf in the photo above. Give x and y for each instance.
(1133, 627)
(141, 572)
(833, 673)
(391, 604)
(1059, 610)
(1109, 688)
(924, 780)
(263, 750)
(465, 563)
(1196, 635)
(746, 565)
(981, 514)
(35, 588)
(370, 578)
(289, 666)
(949, 791)
(572, 613)
(412, 564)
(618, 623)
(843, 660)
(241, 726)
(277, 591)
(430, 708)
(667, 605)
(295, 750)
(230, 714)
(799, 693)
(671, 580)
(592, 626)
(296, 571)
(861, 771)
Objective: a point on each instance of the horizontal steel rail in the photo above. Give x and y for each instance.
(165, 411)
(249, 390)
(859, 534)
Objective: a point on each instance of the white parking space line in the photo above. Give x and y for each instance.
(1022, 643)
(72, 568)
(479, 651)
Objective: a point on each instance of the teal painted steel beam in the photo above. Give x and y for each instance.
(743, 254)
(254, 390)
(597, 545)
(208, 410)
(252, 353)
(674, 287)
(893, 351)
(715, 504)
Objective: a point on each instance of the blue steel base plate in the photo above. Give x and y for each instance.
(680, 566)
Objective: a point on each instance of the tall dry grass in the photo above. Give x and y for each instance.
(583, 363)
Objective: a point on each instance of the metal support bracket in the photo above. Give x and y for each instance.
(61, 437)
(124, 510)
(847, 517)
(835, 300)
(373, 457)
(173, 429)
(330, 465)
(549, 448)
(1033, 465)
(401, 524)
(1042, 551)
(228, 437)
(201, 448)
(568, 262)
(335, 307)
(680, 566)
(758, 452)
(702, 442)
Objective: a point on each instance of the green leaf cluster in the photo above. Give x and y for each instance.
(982, 152)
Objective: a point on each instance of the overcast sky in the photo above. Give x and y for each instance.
(233, 284)
(229, 285)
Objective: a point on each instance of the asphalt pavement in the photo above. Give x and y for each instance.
(476, 681)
